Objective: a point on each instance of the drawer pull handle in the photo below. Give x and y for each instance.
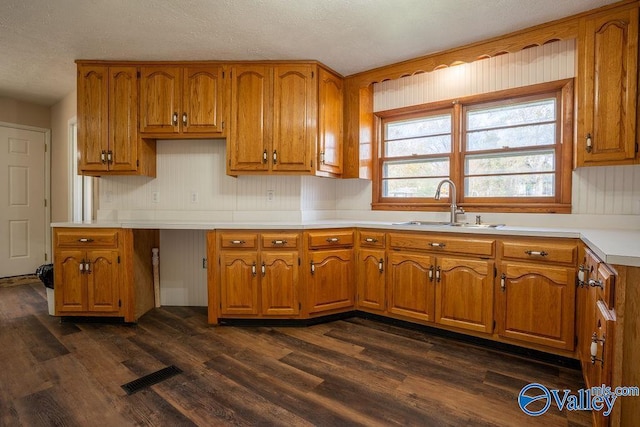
(371, 240)
(503, 282)
(278, 242)
(253, 270)
(184, 119)
(594, 348)
(238, 242)
(596, 284)
(437, 245)
(263, 269)
(438, 274)
(431, 273)
(333, 239)
(174, 119)
(85, 240)
(536, 253)
(381, 265)
(313, 268)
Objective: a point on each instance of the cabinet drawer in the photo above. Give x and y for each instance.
(279, 240)
(93, 238)
(540, 250)
(443, 243)
(330, 238)
(239, 240)
(372, 239)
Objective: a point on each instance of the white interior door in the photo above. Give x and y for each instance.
(22, 201)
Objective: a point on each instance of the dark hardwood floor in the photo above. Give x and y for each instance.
(347, 372)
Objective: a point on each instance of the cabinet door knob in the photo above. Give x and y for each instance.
(589, 142)
(184, 119)
(381, 265)
(503, 282)
(264, 156)
(313, 268)
(253, 269)
(263, 269)
(275, 157)
(174, 119)
(594, 349)
(322, 157)
(596, 284)
(103, 156)
(430, 273)
(438, 274)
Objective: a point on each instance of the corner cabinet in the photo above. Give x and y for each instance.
(185, 102)
(108, 138)
(274, 120)
(95, 273)
(607, 100)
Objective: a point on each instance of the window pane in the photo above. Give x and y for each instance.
(428, 145)
(539, 185)
(418, 168)
(510, 115)
(416, 187)
(424, 126)
(521, 136)
(543, 161)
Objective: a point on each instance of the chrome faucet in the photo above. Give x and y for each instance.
(454, 208)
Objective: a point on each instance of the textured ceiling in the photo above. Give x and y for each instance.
(40, 39)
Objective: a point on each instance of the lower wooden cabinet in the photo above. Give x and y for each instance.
(411, 292)
(330, 280)
(258, 274)
(536, 304)
(90, 281)
(464, 293)
(371, 284)
(103, 272)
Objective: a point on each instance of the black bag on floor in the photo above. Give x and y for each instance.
(45, 274)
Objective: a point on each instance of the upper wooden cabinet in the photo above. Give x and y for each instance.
(608, 73)
(108, 139)
(186, 101)
(275, 116)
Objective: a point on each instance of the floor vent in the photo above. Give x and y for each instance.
(151, 379)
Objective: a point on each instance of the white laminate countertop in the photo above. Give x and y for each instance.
(621, 247)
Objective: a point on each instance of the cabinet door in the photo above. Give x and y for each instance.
(294, 118)
(69, 278)
(93, 115)
(609, 64)
(371, 279)
(249, 138)
(602, 341)
(330, 129)
(279, 283)
(411, 291)
(464, 294)
(160, 100)
(536, 303)
(239, 283)
(331, 283)
(123, 118)
(103, 281)
(202, 100)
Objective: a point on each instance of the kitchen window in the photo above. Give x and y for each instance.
(505, 151)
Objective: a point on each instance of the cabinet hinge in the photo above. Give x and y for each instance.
(204, 263)
(118, 259)
(298, 260)
(138, 74)
(119, 303)
(312, 74)
(636, 147)
(45, 147)
(311, 164)
(222, 125)
(495, 272)
(494, 326)
(138, 163)
(45, 203)
(299, 305)
(223, 74)
(575, 341)
(46, 256)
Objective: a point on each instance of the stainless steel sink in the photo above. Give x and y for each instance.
(422, 223)
(468, 225)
